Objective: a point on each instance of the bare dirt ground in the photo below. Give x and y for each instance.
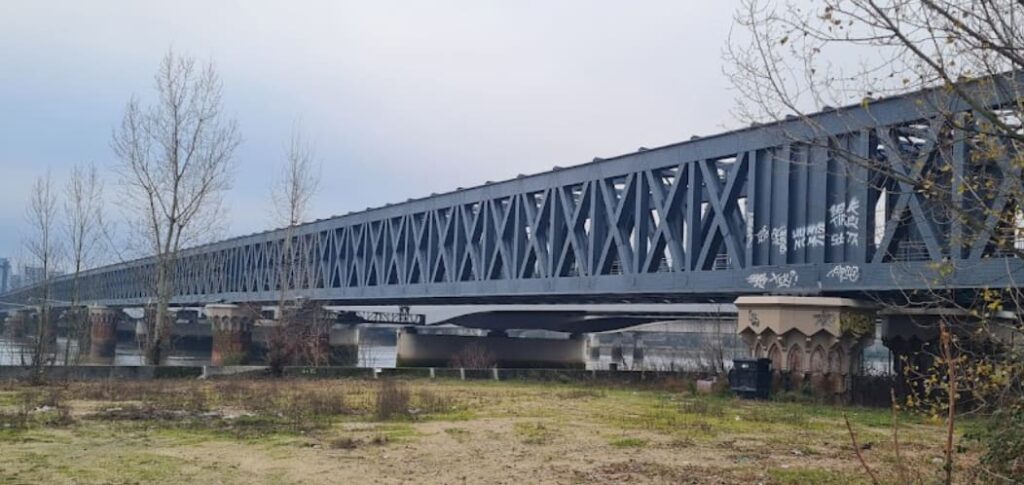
(444, 432)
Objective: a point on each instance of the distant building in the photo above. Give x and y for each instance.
(31, 275)
(5, 275)
(15, 281)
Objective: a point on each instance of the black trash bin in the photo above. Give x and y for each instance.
(751, 378)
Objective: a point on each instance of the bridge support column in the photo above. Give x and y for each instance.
(344, 345)
(638, 351)
(102, 334)
(618, 359)
(594, 348)
(232, 334)
(426, 350)
(815, 343)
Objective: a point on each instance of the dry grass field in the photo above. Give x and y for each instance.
(441, 431)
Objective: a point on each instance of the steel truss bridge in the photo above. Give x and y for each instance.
(766, 209)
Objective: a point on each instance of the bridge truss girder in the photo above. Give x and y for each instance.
(770, 209)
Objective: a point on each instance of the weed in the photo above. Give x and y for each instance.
(681, 443)
(321, 402)
(705, 428)
(473, 356)
(14, 421)
(534, 433)
(582, 394)
(344, 443)
(392, 401)
(431, 402)
(795, 397)
(813, 475)
(703, 407)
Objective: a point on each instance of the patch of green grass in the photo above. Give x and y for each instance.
(11, 435)
(274, 417)
(534, 433)
(397, 432)
(801, 476)
(253, 429)
(582, 393)
(9, 398)
(628, 442)
(453, 415)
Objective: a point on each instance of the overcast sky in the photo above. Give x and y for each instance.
(402, 99)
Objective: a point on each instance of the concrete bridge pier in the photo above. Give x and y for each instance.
(593, 347)
(434, 350)
(343, 341)
(814, 342)
(232, 334)
(617, 355)
(143, 324)
(102, 334)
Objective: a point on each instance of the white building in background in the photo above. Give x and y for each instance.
(31, 275)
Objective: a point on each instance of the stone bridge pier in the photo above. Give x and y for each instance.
(818, 342)
(232, 334)
(103, 333)
(344, 344)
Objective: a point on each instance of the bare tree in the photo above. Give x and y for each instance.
(43, 248)
(299, 181)
(296, 333)
(965, 59)
(175, 163)
(83, 231)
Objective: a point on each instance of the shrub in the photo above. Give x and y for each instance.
(473, 356)
(1003, 438)
(323, 402)
(431, 402)
(344, 443)
(702, 407)
(392, 401)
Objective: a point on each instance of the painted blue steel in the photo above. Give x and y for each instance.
(768, 209)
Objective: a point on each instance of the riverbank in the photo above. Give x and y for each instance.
(417, 430)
